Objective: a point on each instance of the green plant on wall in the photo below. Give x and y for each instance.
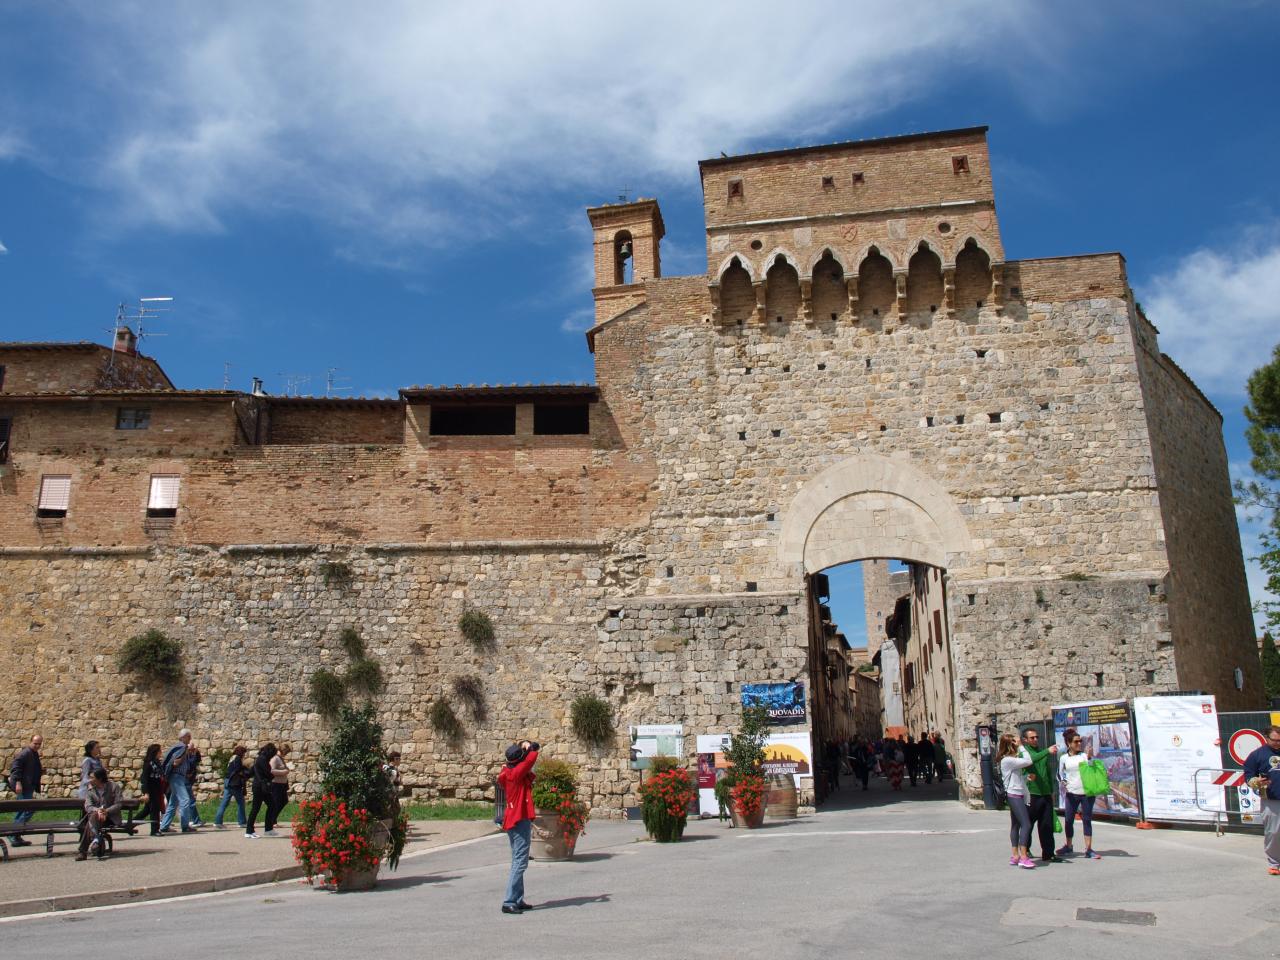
(152, 657)
(470, 690)
(328, 692)
(592, 720)
(352, 643)
(365, 676)
(335, 573)
(445, 721)
(477, 628)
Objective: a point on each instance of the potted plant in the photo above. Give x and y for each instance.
(745, 778)
(345, 837)
(665, 798)
(562, 817)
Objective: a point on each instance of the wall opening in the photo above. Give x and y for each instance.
(737, 298)
(782, 292)
(623, 257)
(553, 419)
(830, 295)
(876, 289)
(473, 421)
(973, 277)
(924, 283)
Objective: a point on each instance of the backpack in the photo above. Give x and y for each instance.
(499, 801)
(998, 791)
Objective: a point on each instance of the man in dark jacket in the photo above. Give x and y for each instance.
(1040, 788)
(516, 781)
(1262, 769)
(24, 778)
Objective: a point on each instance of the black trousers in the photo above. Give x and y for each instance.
(279, 799)
(153, 808)
(1042, 819)
(261, 798)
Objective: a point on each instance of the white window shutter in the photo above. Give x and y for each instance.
(55, 493)
(164, 493)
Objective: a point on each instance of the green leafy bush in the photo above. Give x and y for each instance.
(470, 690)
(445, 722)
(477, 628)
(351, 770)
(335, 572)
(662, 763)
(552, 780)
(152, 657)
(352, 643)
(745, 750)
(365, 676)
(592, 720)
(328, 692)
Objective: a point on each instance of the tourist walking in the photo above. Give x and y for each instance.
(279, 789)
(25, 774)
(1262, 769)
(261, 776)
(153, 787)
(862, 760)
(911, 751)
(1012, 765)
(102, 811)
(924, 747)
(1040, 790)
(939, 755)
(233, 787)
(1076, 799)
(516, 783)
(191, 771)
(895, 759)
(92, 761)
(179, 801)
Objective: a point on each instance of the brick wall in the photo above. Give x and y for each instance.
(58, 368)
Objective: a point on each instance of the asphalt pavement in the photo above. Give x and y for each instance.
(873, 876)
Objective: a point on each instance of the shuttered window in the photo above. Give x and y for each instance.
(55, 497)
(163, 501)
(5, 424)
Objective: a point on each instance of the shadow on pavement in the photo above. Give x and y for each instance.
(592, 857)
(402, 883)
(851, 796)
(573, 902)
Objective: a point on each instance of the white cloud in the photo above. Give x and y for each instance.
(1215, 303)
(409, 122)
(3, 249)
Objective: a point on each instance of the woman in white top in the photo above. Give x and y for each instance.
(1069, 774)
(1012, 764)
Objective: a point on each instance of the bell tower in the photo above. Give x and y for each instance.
(626, 238)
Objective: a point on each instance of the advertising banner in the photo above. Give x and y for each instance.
(655, 740)
(1108, 736)
(784, 701)
(711, 767)
(788, 753)
(1177, 736)
(785, 753)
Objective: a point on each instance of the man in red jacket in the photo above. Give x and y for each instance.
(516, 781)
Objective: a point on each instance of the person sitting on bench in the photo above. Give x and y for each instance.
(102, 811)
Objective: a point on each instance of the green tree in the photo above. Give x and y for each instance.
(1263, 493)
(1270, 666)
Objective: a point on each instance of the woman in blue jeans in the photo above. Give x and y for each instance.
(1069, 774)
(233, 787)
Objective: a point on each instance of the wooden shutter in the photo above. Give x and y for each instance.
(164, 492)
(55, 493)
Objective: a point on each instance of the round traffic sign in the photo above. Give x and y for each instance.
(1244, 742)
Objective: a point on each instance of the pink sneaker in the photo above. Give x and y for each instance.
(1013, 861)
(1026, 863)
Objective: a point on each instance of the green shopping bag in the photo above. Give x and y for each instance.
(1093, 777)
(1057, 823)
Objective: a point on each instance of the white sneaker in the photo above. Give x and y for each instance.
(270, 833)
(251, 836)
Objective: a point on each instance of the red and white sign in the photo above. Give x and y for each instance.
(1229, 778)
(1244, 742)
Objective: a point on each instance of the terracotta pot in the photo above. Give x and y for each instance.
(549, 841)
(751, 824)
(358, 880)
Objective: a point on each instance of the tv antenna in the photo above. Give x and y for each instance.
(147, 310)
(226, 374)
(331, 382)
(293, 381)
(623, 194)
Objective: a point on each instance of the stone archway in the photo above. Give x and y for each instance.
(872, 506)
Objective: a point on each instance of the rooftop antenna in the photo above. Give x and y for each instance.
(226, 374)
(147, 309)
(331, 382)
(293, 381)
(623, 194)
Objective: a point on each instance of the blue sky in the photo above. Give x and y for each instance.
(401, 196)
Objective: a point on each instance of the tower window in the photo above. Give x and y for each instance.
(858, 178)
(133, 418)
(735, 189)
(960, 164)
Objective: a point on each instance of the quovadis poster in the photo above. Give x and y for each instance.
(784, 701)
(1107, 731)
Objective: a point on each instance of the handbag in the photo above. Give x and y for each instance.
(1094, 779)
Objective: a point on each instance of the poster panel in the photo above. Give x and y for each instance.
(784, 701)
(655, 740)
(1105, 728)
(711, 768)
(785, 753)
(1177, 736)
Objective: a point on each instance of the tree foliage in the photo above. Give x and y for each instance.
(1263, 493)
(1270, 666)
(351, 763)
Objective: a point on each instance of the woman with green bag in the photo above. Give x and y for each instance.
(1070, 769)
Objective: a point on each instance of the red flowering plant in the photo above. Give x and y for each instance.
(331, 839)
(748, 795)
(664, 799)
(555, 791)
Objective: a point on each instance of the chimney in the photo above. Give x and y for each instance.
(257, 387)
(126, 342)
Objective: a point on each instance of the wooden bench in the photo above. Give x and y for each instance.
(70, 805)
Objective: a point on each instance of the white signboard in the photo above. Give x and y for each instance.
(784, 753)
(711, 767)
(1177, 736)
(655, 740)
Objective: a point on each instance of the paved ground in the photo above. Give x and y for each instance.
(144, 866)
(923, 877)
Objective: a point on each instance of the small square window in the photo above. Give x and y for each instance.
(858, 178)
(735, 189)
(133, 418)
(993, 417)
(162, 502)
(960, 164)
(828, 183)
